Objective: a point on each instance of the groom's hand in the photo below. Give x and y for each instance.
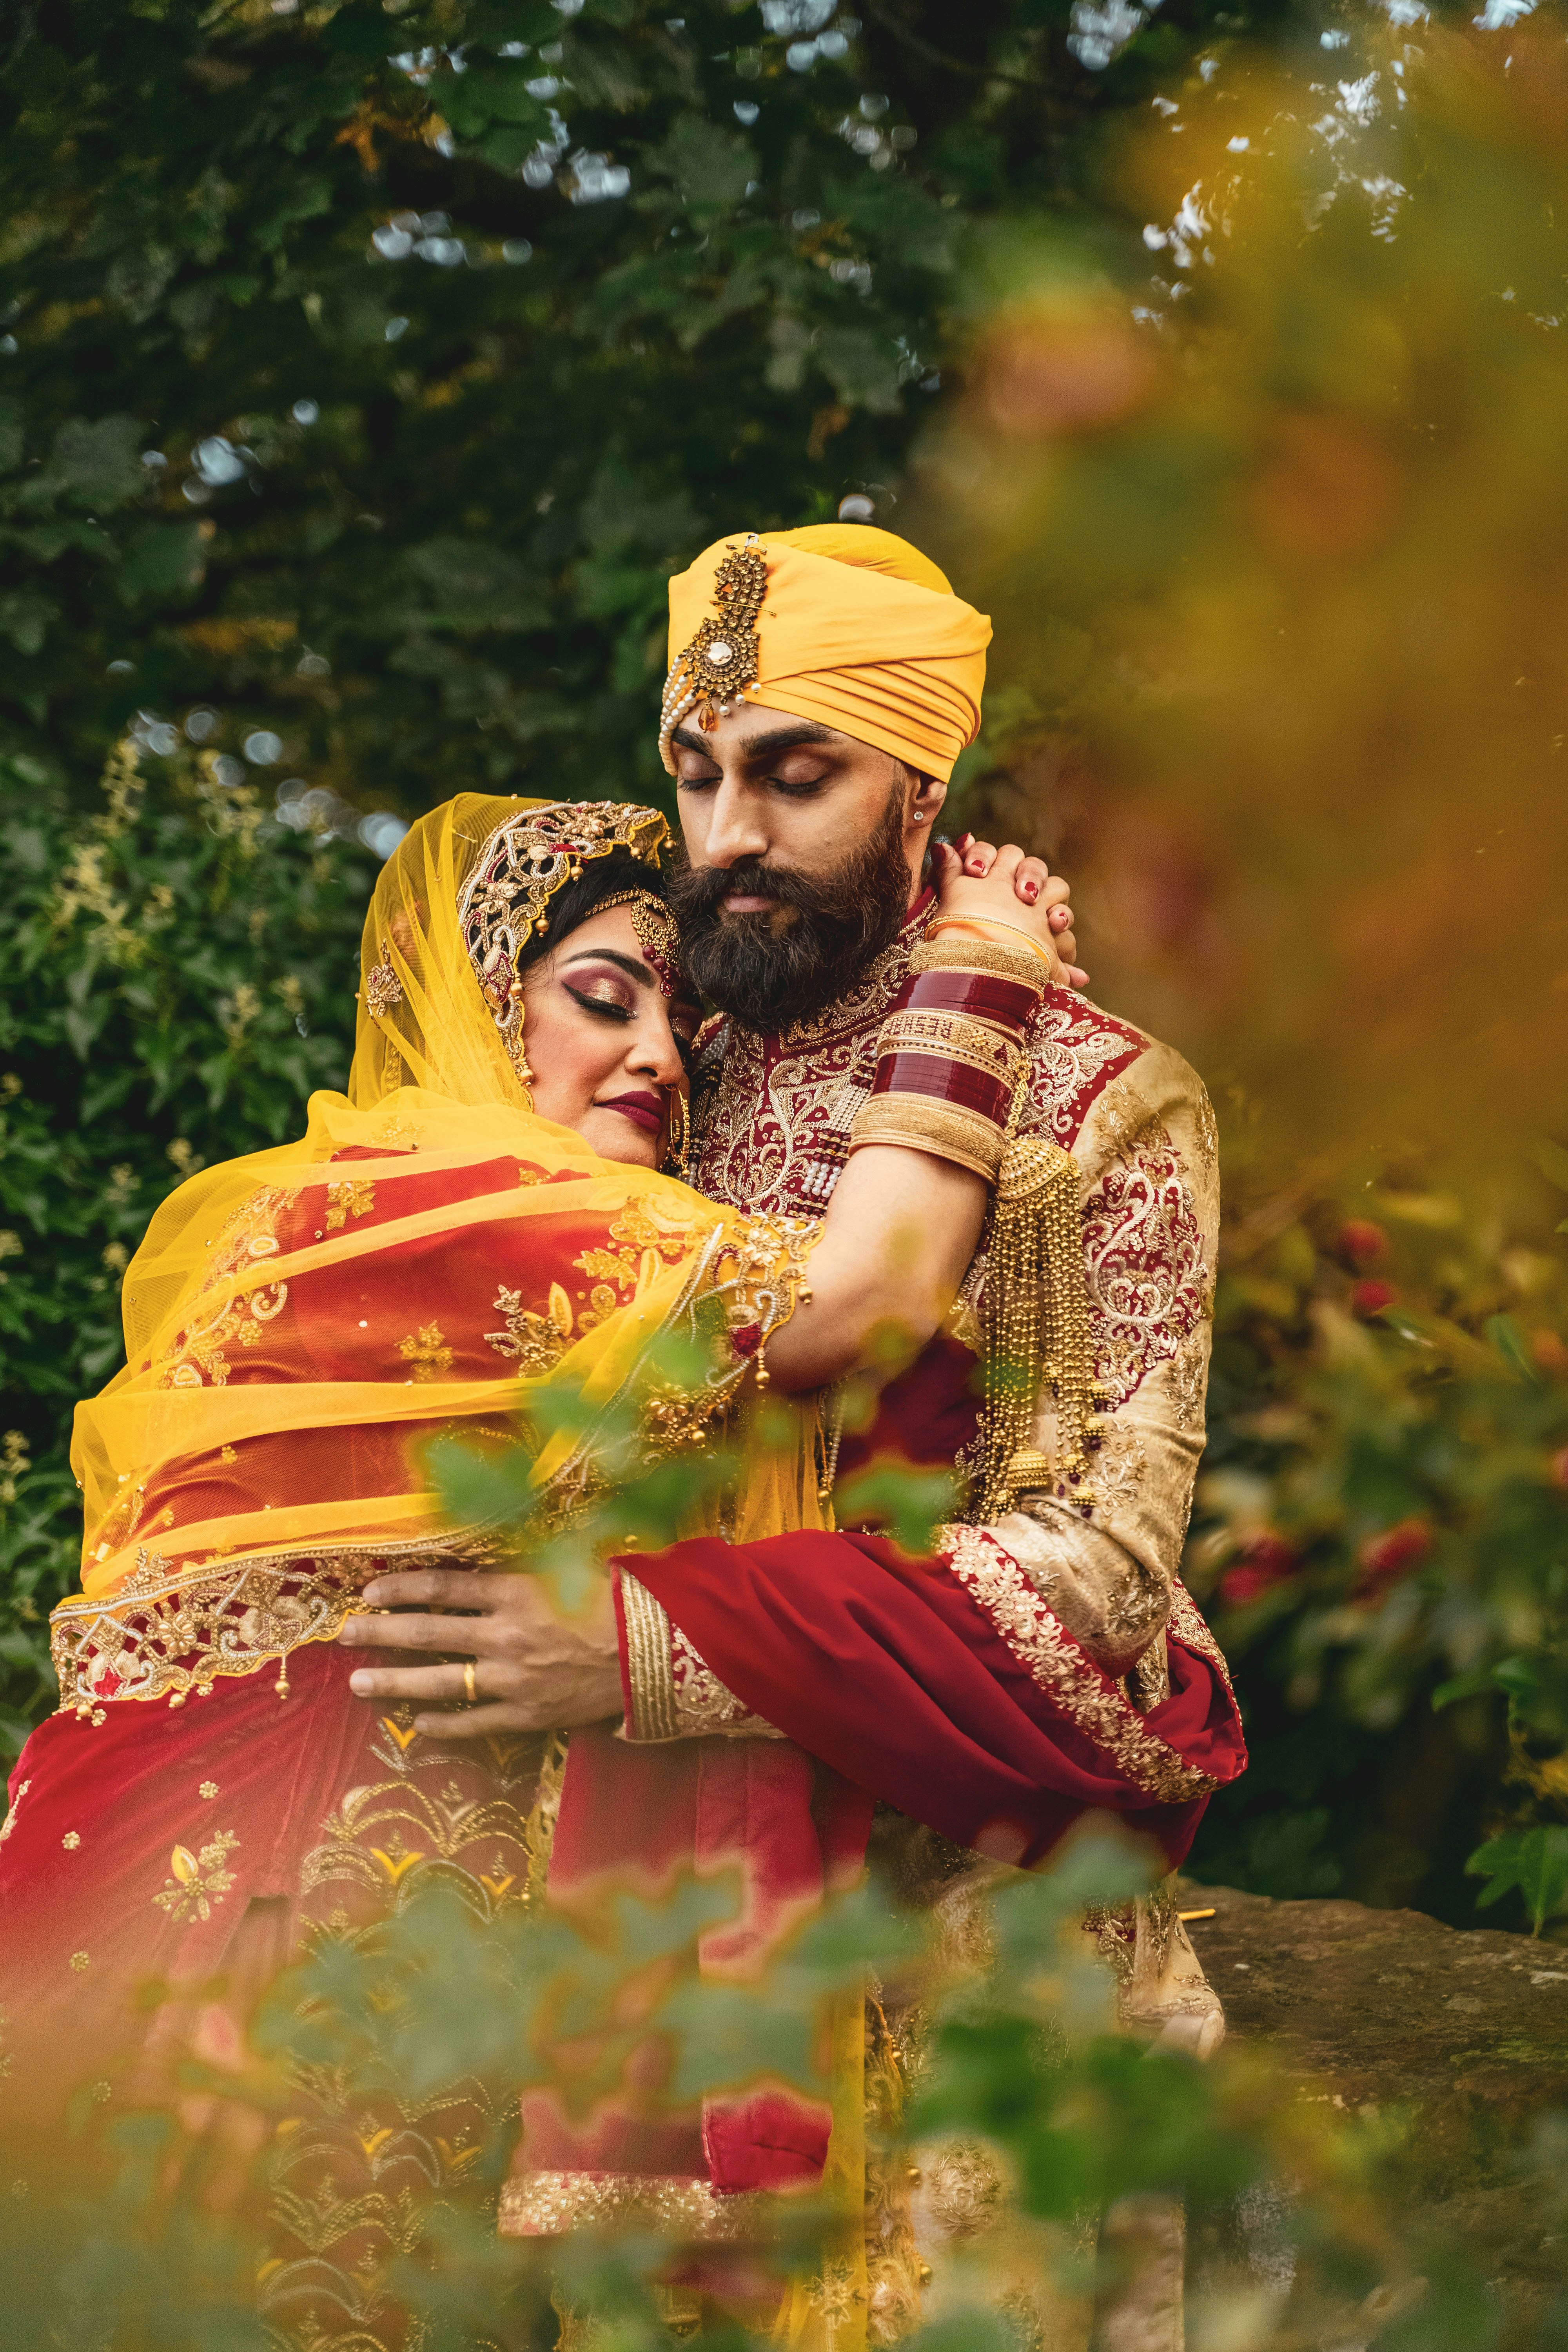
(534, 1668)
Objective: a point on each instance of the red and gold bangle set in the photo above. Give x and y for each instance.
(951, 1052)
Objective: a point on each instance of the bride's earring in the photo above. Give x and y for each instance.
(520, 1062)
(678, 1159)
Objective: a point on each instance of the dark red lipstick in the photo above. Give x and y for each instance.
(643, 1110)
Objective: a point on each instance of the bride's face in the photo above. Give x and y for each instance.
(604, 1042)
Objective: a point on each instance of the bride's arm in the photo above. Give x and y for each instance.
(904, 1223)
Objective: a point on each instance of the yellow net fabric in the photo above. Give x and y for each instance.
(429, 1253)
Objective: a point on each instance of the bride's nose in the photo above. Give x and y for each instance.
(654, 1052)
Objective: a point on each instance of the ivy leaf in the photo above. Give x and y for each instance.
(712, 168)
(862, 367)
(1535, 1860)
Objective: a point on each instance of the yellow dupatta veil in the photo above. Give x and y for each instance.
(296, 1320)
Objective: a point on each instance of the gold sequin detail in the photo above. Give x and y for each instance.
(427, 1351)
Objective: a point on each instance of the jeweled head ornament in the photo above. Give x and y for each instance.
(505, 902)
(722, 658)
(841, 623)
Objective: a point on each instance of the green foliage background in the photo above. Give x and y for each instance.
(350, 425)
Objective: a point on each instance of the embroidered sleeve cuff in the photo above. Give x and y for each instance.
(646, 1681)
(672, 1692)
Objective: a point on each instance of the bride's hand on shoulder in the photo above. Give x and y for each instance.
(975, 880)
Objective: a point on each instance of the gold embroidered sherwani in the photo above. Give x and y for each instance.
(1079, 1580)
(1099, 1559)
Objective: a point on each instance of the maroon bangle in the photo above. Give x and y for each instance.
(941, 1081)
(1007, 1003)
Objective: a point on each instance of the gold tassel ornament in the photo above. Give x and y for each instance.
(1037, 1330)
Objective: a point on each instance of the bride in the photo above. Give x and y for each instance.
(494, 1211)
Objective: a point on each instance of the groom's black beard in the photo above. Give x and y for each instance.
(767, 971)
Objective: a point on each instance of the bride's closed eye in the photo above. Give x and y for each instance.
(604, 993)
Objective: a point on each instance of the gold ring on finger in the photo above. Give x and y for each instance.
(471, 1689)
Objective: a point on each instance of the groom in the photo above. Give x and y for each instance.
(823, 683)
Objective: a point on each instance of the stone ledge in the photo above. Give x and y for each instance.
(1462, 2033)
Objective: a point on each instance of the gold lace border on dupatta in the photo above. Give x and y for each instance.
(173, 1633)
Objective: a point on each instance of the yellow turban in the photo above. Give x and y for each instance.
(851, 627)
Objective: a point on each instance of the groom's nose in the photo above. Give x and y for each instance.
(736, 826)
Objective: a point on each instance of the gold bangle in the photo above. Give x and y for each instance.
(1047, 955)
(969, 953)
(945, 1131)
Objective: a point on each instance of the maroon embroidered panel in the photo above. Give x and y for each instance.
(773, 1114)
(1075, 1050)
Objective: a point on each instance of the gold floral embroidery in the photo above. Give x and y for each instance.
(9, 1823)
(1189, 1380)
(535, 1342)
(1095, 1707)
(382, 1832)
(427, 1351)
(1188, 1626)
(602, 1301)
(196, 1358)
(78, 1961)
(207, 1788)
(197, 1881)
(639, 1235)
(1119, 1465)
(676, 1694)
(354, 1197)
(72, 1840)
(704, 1704)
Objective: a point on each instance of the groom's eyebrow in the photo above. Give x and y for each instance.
(638, 971)
(765, 746)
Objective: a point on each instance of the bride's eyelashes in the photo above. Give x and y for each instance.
(608, 1004)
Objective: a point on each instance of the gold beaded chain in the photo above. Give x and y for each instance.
(1038, 1326)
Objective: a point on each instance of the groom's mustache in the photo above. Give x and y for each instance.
(705, 891)
(782, 962)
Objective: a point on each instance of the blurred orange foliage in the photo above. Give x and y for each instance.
(1276, 539)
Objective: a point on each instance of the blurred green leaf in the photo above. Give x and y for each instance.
(909, 1504)
(1533, 1859)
